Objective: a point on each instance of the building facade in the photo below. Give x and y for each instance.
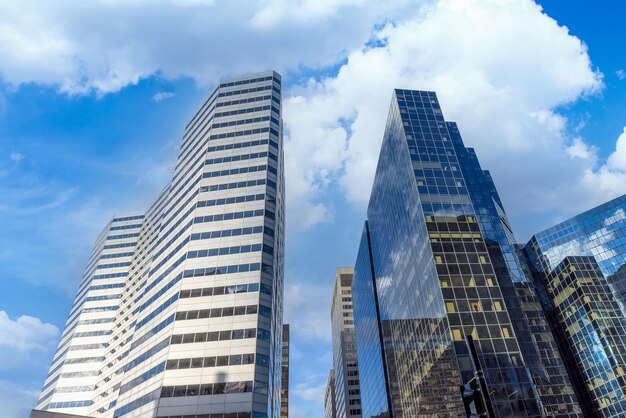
(329, 396)
(284, 391)
(437, 283)
(345, 365)
(568, 263)
(180, 309)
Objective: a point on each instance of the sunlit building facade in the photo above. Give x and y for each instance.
(437, 264)
(345, 365)
(570, 263)
(180, 309)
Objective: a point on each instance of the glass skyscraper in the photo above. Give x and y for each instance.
(578, 270)
(437, 264)
(179, 313)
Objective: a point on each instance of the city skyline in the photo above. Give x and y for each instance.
(86, 137)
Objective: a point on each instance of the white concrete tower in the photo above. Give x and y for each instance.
(195, 328)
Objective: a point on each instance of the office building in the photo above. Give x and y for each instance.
(569, 262)
(329, 396)
(179, 312)
(345, 365)
(599, 233)
(284, 391)
(437, 284)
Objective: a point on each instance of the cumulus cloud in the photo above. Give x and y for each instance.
(164, 95)
(27, 342)
(501, 69)
(104, 45)
(621, 74)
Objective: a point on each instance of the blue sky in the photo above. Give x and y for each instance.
(94, 98)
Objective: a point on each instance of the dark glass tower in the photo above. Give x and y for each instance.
(437, 265)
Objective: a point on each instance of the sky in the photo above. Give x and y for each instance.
(94, 97)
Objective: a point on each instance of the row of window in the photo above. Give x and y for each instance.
(96, 321)
(145, 337)
(224, 251)
(206, 389)
(249, 81)
(217, 312)
(240, 133)
(146, 355)
(229, 186)
(244, 157)
(142, 378)
(100, 309)
(88, 346)
(109, 276)
(123, 245)
(157, 311)
(128, 218)
(137, 403)
(102, 297)
(244, 91)
(107, 286)
(113, 265)
(246, 144)
(116, 255)
(79, 374)
(123, 236)
(228, 216)
(246, 110)
(83, 360)
(214, 361)
(69, 404)
(228, 232)
(73, 389)
(224, 290)
(247, 100)
(123, 227)
(203, 337)
(241, 122)
(233, 171)
(91, 334)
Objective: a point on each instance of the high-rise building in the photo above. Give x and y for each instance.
(345, 365)
(599, 233)
(329, 396)
(284, 391)
(440, 295)
(569, 263)
(179, 312)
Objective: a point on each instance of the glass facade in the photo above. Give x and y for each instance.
(578, 269)
(434, 280)
(537, 344)
(599, 233)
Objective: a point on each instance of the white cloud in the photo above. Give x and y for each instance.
(307, 310)
(104, 45)
(617, 160)
(621, 74)
(501, 70)
(26, 333)
(17, 157)
(312, 389)
(164, 95)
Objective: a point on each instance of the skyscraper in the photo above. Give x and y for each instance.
(438, 284)
(329, 396)
(346, 372)
(569, 262)
(284, 391)
(179, 312)
(599, 233)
